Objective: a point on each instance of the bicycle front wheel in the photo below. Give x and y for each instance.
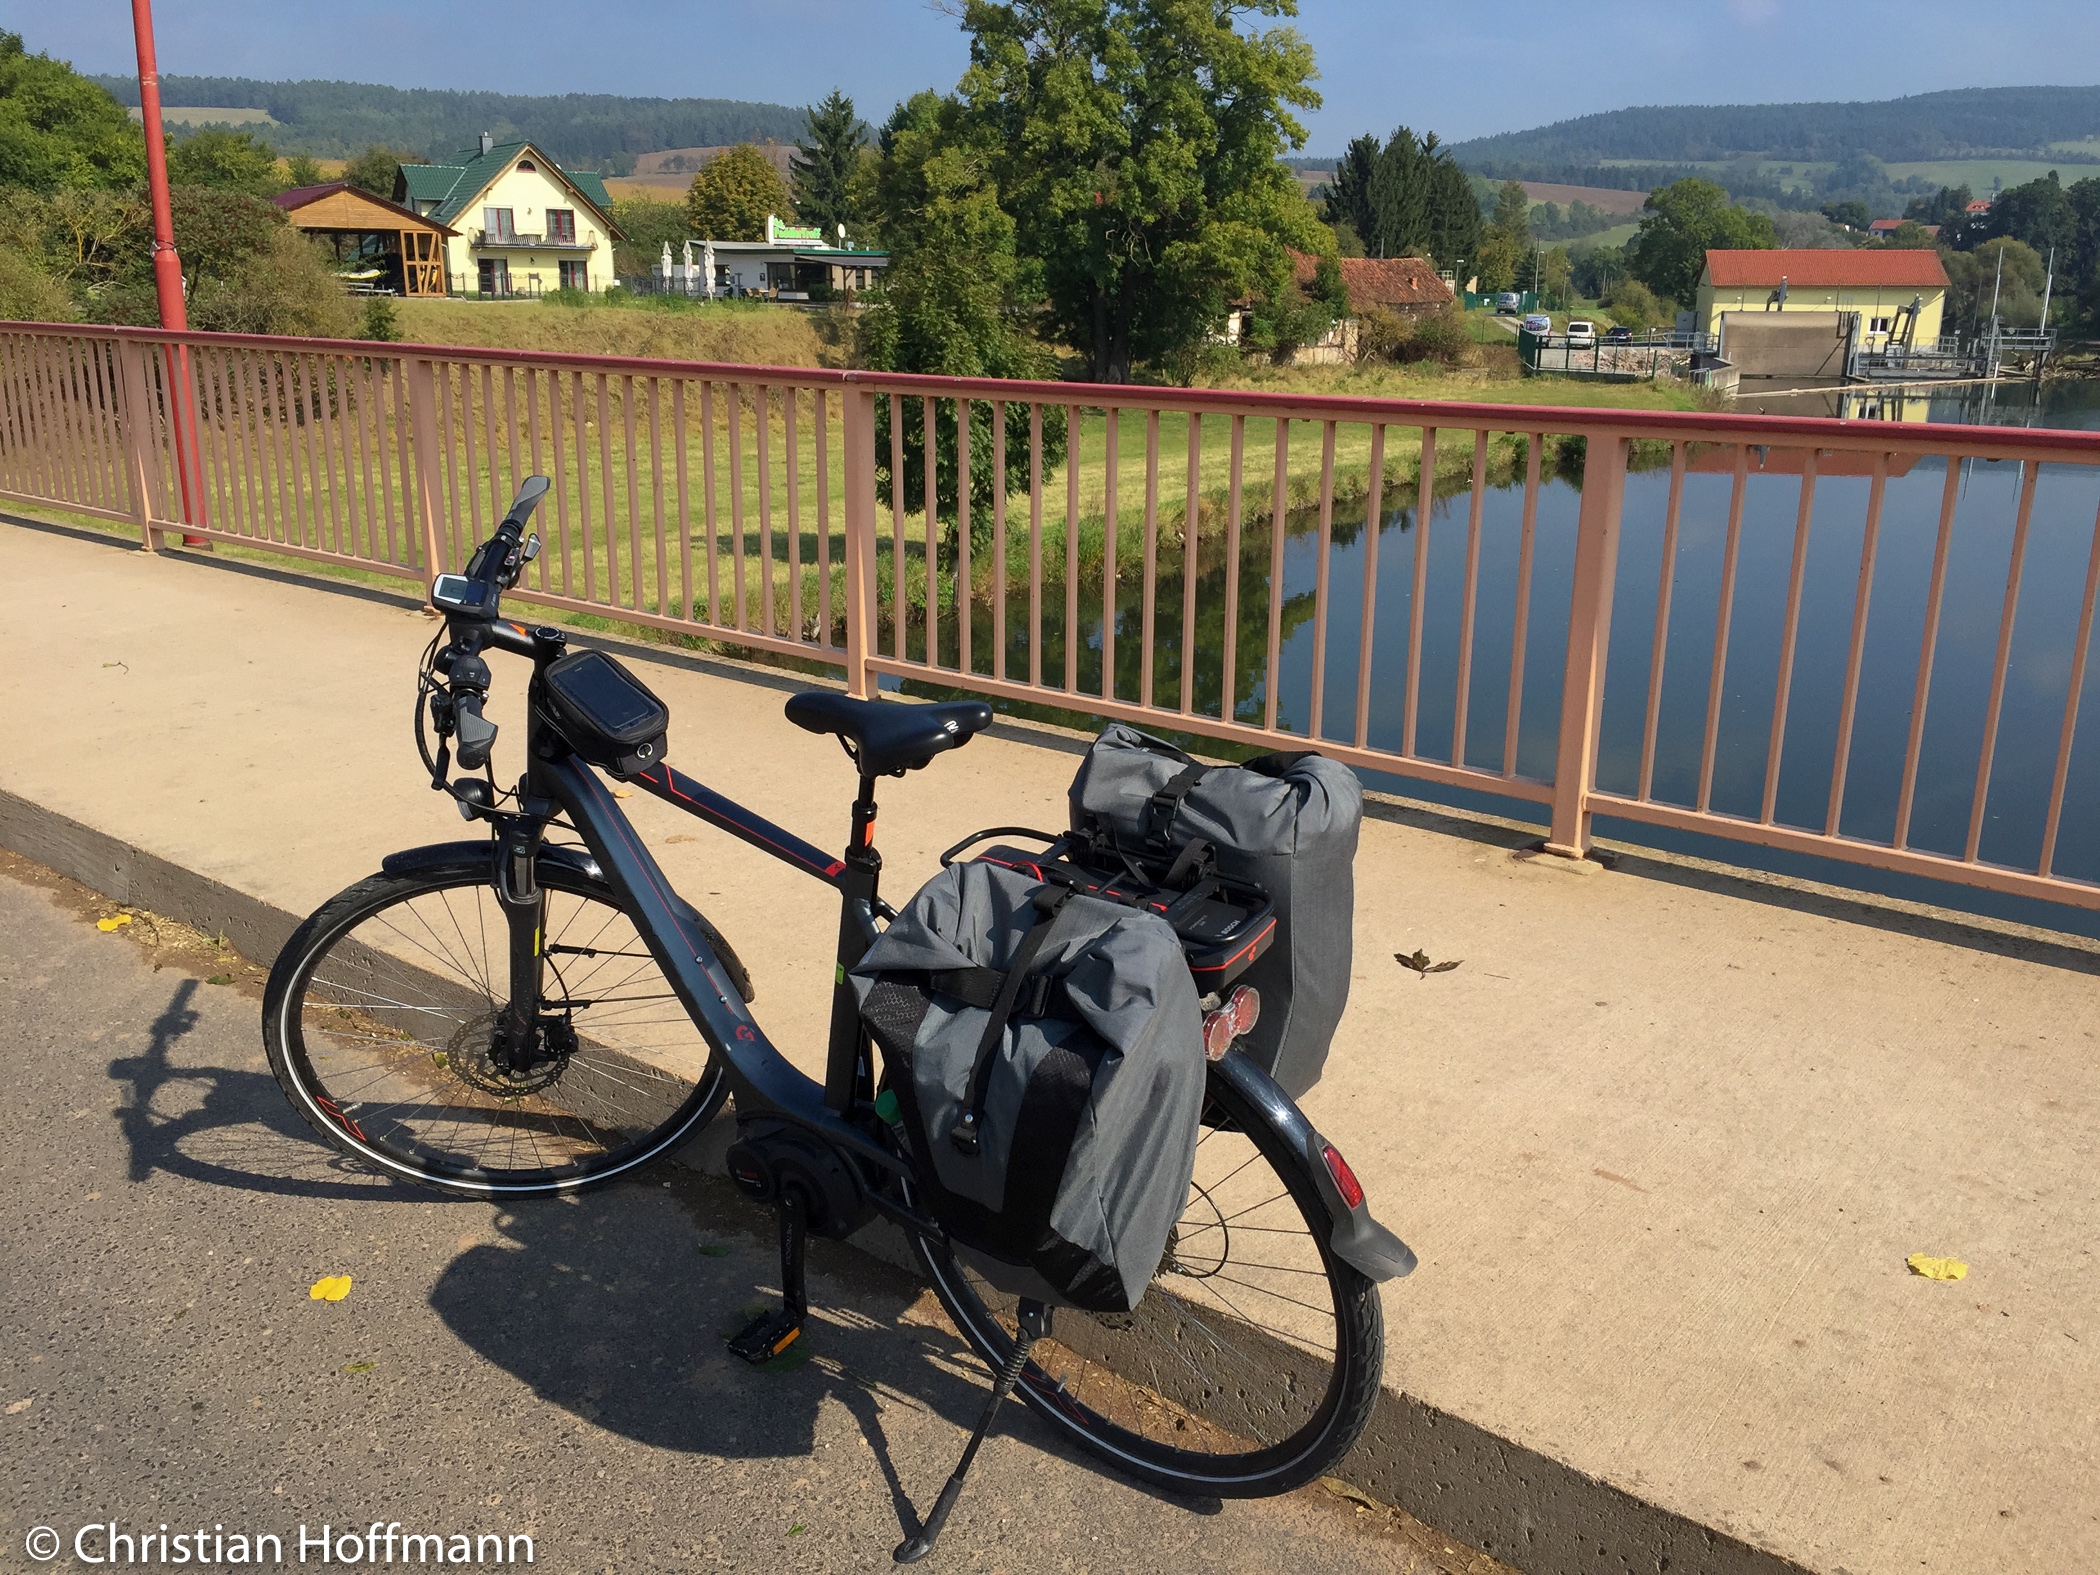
(380, 1015)
(1251, 1364)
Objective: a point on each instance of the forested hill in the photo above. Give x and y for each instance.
(1964, 122)
(335, 119)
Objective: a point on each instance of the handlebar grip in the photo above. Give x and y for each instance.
(476, 736)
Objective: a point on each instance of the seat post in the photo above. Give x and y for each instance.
(843, 1065)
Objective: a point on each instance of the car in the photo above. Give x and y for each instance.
(1619, 334)
(1509, 301)
(1538, 323)
(1582, 334)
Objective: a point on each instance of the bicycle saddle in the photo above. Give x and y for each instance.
(889, 739)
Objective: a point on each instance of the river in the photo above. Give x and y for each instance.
(2060, 540)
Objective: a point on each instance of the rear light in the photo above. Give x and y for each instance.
(1231, 1021)
(1344, 1177)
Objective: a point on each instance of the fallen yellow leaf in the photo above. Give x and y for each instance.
(331, 1289)
(1937, 1268)
(106, 925)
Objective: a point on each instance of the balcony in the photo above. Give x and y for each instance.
(521, 240)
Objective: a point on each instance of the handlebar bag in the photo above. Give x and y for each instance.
(1046, 1053)
(606, 714)
(1285, 823)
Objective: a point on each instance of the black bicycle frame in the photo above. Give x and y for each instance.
(764, 1081)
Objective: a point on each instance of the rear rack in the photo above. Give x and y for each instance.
(1223, 925)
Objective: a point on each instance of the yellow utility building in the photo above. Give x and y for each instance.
(1898, 296)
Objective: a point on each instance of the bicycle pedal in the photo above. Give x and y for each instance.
(766, 1337)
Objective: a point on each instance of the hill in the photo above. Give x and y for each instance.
(1963, 123)
(589, 130)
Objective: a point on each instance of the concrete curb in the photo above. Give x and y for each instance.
(1521, 1506)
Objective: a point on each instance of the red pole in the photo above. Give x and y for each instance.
(167, 269)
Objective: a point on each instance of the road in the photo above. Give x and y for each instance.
(532, 1371)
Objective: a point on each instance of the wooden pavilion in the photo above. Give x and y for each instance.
(401, 249)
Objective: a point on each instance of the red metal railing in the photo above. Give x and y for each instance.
(742, 504)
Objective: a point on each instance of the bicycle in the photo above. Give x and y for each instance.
(524, 1015)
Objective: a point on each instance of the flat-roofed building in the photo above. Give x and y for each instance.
(1900, 294)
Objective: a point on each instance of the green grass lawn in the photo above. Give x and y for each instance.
(675, 503)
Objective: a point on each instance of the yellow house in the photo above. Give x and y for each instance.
(1899, 295)
(520, 223)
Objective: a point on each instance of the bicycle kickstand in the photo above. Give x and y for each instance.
(769, 1334)
(1034, 1321)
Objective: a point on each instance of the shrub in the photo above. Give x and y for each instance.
(1383, 335)
(1439, 336)
(287, 287)
(30, 295)
(382, 323)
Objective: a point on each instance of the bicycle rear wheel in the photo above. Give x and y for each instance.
(379, 1018)
(1252, 1363)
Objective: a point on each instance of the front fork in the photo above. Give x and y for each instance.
(524, 904)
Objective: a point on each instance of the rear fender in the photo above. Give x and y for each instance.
(1357, 1239)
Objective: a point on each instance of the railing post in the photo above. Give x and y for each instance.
(135, 417)
(1589, 642)
(859, 413)
(423, 446)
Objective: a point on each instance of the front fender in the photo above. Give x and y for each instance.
(1357, 1239)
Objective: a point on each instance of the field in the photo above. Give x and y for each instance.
(1609, 198)
(729, 525)
(1977, 174)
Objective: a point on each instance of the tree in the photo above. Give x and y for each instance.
(285, 287)
(1974, 278)
(228, 160)
(1634, 304)
(378, 169)
(1853, 215)
(732, 197)
(1497, 258)
(1513, 210)
(304, 170)
(1683, 222)
(2040, 213)
(1407, 198)
(647, 226)
(30, 295)
(1556, 277)
(1137, 145)
(59, 129)
(952, 303)
(821, 170)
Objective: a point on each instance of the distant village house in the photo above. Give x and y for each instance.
(517, 223)
(1894, 295)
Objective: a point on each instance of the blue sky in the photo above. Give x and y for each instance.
(1457, 69)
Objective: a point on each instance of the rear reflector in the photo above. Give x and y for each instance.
(1344, 1177)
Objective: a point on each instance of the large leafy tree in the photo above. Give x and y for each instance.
(228, 160)
(821, 169)
(59, 129)
(378, 169)
(1681, 224)
(953, 302)
(1136, 145)
(730, 199)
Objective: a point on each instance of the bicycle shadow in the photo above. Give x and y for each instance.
(615, 1307)
(226, 1126)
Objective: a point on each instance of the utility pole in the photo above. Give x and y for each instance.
(167, 270)
(2048, 282)
(1990, 365)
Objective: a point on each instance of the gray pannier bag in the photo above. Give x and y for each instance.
(1046, 1053)
(1285, 823)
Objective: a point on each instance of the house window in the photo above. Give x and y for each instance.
(575, 276)
(527, 167)
(561, 226)
(499, 224)
(1879, 325)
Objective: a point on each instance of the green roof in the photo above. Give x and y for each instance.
(454, 186)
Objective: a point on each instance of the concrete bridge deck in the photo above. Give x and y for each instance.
(1663, 1141)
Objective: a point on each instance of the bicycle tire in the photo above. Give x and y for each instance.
(1257, 1431)
(387, 1058)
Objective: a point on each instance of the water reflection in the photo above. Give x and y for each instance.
(1803, 740)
